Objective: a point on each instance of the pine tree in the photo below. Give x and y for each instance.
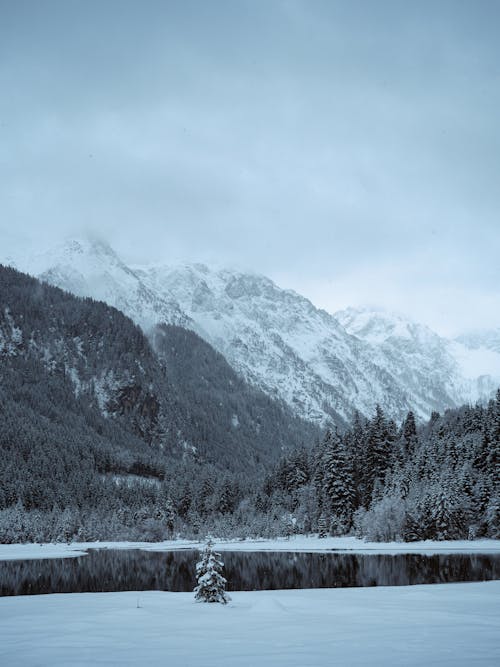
(482, 451)
(493, 517)
(338, 482)
(356, 443)
(378, 450)
(317, 476)
(169, 514)
(448, 512)
(211, 583)
(443, 517)
(408, 439)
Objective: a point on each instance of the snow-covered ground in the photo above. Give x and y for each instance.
(445, 624)
(296, 543)
(440, 624)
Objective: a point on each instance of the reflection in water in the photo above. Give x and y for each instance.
(117, 570)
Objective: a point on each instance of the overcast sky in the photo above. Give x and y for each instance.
(349, 150)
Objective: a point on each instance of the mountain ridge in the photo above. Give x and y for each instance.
(324, 366)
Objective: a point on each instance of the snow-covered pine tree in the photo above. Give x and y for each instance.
(443, 517)
(356, 443)
(407, 442)
(378, 450)
(338, 485)
(211, 583)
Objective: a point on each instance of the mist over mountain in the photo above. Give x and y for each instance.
(485, 340)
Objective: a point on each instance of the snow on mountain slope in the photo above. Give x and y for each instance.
(423, 361)
(88, 267)
(279, 341)
(323, 366)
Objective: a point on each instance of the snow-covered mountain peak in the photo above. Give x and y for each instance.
(80, 253)
(90, 267)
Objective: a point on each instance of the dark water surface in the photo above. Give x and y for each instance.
(131, 570)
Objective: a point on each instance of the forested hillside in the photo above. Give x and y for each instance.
(231, 422)
(94, 423)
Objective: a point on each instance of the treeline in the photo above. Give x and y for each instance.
(439, 481)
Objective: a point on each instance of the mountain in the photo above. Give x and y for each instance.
(275, 339)
(77, 361)
(280, 342)
(323, 366)
(434, 369)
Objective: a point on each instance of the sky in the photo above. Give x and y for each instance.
(349, 150)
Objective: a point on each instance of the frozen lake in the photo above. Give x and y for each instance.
(131, 570)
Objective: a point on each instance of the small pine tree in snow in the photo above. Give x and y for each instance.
(211, 584)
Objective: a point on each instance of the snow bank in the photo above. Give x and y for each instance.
(296, 543)
(451, 624)
(31, 551)
(355, 545)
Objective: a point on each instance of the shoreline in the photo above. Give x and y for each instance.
(299, 543)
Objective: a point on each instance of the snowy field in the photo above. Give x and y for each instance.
(445, 624)
(296, 543)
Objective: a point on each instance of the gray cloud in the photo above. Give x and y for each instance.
(348, 149)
